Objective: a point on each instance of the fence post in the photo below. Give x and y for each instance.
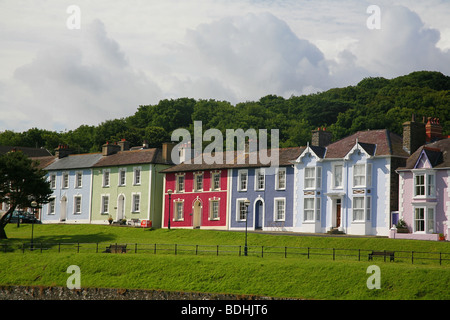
(412, 257)
(440, 258)
(135, 248)
(78, 247)
(154, 251)
(217, 250)
(262, 251)
(359, 254)
(175, 249)
(239, 251)
(196, 249)
(285, 252)
(96, 250)
(41, 247)
(334, 256)
(308, 252)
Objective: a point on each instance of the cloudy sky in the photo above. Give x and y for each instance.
(133, 52)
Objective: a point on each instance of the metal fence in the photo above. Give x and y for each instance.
(231, 250)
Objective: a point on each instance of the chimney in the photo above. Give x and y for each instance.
(413, 135)
(109, 149)
(433, 130)
(321, 137)
(124, 145)
(167, 148)
(145, 144)
(62, 151)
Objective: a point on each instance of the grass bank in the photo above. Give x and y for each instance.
(295, 277)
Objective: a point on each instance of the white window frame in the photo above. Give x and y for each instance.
(277, 179)
(334, 180)
(276, 213)
(240, 205)
(215, 175)
(51, 206)
(137, 176)
(102, 204)
(78, 179)
(365, 176)
(240, 181)
(365, 209)
(65, 180)
(428, 186)
(177, 183)
(178, 210)
(426, 219)
(314, 181)
(213, 215)
(106, 180)
(136, 201)
(198, 184)
(122, 171)
(53, 181)
(313, 212)
(260, 179)
(77, 198)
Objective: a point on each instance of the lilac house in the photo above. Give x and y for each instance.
(424, 193)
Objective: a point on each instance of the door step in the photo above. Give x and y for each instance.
(335, 231)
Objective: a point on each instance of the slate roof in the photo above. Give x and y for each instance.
(74, 161)
(438, 154)
(30, 152)
(374, 142)
(140, 156)
(286, 156)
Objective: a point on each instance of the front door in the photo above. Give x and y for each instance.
(63, 210)
(197, 214)
(338, 213)
(259, 215)
(120, 207)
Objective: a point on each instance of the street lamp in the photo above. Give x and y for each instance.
(246, 204)
(169, 192)
(34, 206)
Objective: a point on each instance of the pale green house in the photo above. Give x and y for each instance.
(127, 184)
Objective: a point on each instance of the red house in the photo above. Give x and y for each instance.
(195, 196)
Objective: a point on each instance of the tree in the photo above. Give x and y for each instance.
(21, 182)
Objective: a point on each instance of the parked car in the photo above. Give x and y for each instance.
(23, 216)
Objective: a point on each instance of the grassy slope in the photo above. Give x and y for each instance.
(316, 278)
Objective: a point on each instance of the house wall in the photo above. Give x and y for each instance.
(265, 197)
(69, 193)
(441, 202)
(189, 197)
(115, 190)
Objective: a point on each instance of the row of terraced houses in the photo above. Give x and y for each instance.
(362, 184)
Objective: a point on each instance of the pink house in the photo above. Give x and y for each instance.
(195, 196)
(424, 192)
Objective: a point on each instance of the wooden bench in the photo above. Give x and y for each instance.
(116, 248)
(384, 254)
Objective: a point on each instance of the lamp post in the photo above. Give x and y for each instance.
(34, 206)
(169, 192)
(246, 203)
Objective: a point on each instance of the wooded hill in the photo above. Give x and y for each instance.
(374, 103)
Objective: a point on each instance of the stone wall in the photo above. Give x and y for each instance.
(63, 293)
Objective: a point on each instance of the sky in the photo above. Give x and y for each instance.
(61, 68)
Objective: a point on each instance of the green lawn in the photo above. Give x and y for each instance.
(319, 277)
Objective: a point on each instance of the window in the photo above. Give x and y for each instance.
(424, 223)
(105, 204)
(242, 210)
(105, 178)
(337, 176)
(214, 209)
(362, 175)
(310, 178)
(280, 209)
(198, 182)
(53, 181)
(78, 179)
(358, 208)
(368, 207)
(51, 206)
(136, 202)
(65, 183)
(424, 184)
(122, 177)
(179, 211)
(180, 183)
(313, 178)
(242, 180)
(308, 209)
(137, 176)
(216, 181)
(281, 179)
(259, 179)
(77, 205)
(318, 205)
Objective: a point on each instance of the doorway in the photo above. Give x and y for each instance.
(197, 214)
(259, 213)
(63, 210)
(120, 207)
(338, 213)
